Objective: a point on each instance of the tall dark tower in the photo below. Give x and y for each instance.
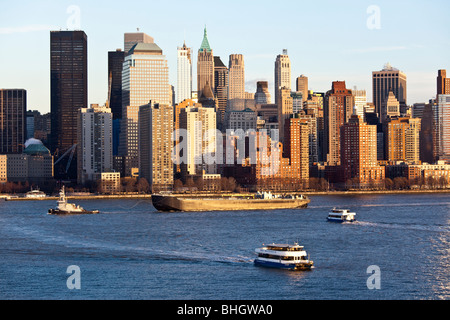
(13, 108)
(69, 92)
(115, 65)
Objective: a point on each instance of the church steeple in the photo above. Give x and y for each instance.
(205, 43)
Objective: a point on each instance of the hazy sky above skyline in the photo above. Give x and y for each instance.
(326, 40)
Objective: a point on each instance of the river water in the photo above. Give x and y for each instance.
(132, 252)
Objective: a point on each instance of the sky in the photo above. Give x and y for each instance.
(327, 40)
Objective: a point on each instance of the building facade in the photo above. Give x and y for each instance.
(262, 95)
(402, 136)
(69, 92)
(95, 143)
(13, 115)
(443, 83)
(184, 74)
(302, 86)
(220, 91)
(236, 82)
(156, 146)
(115, 65)
(282, 74)
(145, 78)
(132, 38)
(197, 121)
(338, 108)
(442, 127)
(205, 66)
(386, 80)
(359, 154)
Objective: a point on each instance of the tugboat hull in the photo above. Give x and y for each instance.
(60, 212)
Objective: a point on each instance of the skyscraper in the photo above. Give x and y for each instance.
(302, 86)
(296, 146)
(262, 95)
(205, 66)
(338, 108)
(145, 78)
(13, 109)
(441, 121)
(184, 74)
(115, 65)
(197, 121)
(94, 143)
(282, 73)
(359, 153)
(155, 146)
(285, 110)
(132, 38)
(390, 107)
(220, 90)
(386, 80)
(236, 82)
(402, 139)
(443, 83)
(69, 91)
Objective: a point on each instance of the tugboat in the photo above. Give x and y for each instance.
(65, 208)
(341, 215)
(283, 256)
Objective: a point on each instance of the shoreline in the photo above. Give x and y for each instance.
(219, 195)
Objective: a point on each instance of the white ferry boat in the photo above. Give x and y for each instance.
(63, 207)
(341, 215)
(35, 194)
(283, 256)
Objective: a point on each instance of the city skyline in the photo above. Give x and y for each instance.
(346, 49)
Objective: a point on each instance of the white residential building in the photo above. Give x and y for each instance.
(94, 143)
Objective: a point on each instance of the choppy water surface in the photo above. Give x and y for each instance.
(130, 251)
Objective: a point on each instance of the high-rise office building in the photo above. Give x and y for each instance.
(205, 66)
(132, 38)
(359, 153)
(441, 127)
(115, 65)
(443, 83)
(184, 74)
(285, 110)
(302, 86)
(338, 108)
(95, 154)
(156, 145)
(236, 82)
(13, 113)
(386, 80)
(198, 121)
(282, 73)
(402, 136)
(360, 101)
(220, 90)
(262, 95)
(390, 108)
(145, 78)
(69, 92)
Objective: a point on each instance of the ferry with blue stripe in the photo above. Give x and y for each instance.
(283, 256)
